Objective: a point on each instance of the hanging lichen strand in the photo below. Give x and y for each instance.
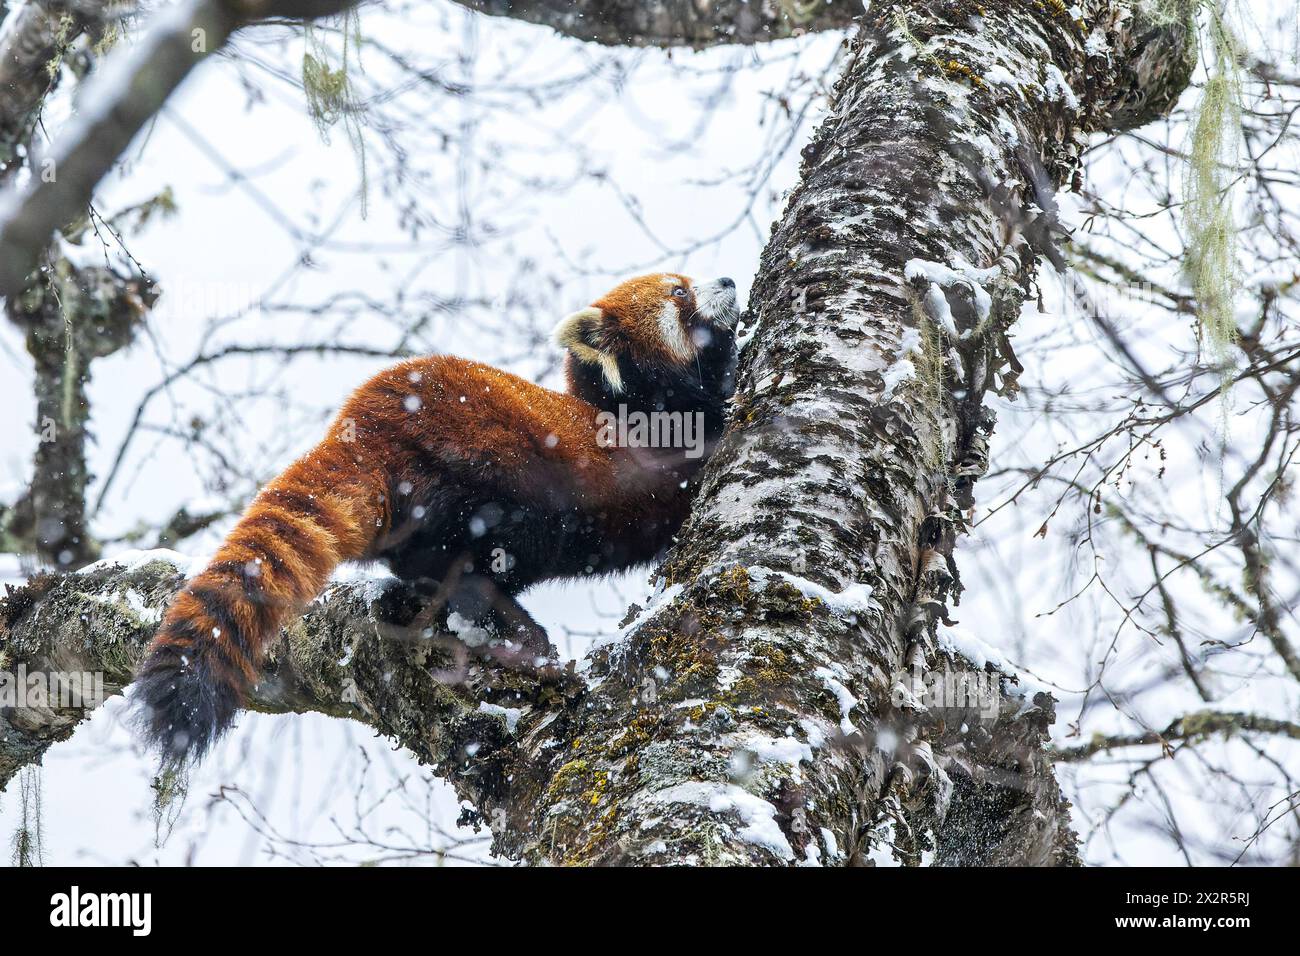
(331, 96)
(1211, 260)
(28, 846)
(170, 787)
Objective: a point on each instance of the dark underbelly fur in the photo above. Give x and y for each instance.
(478, 553)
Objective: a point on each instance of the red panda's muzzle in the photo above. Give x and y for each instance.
(715, 303)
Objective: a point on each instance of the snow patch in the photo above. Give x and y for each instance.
(940, 277)
(813, 731)
(1008, 131)
(759, 816)
(134, 559)
(901, 371)
(832, 846)
(999, 74)
(842, 694)
(1056, 88)
(659, 597)
(855, 597)
(467, 630)
(372, 579)
(510, 714)
(787, 750)
(149, 615)
(960, 642)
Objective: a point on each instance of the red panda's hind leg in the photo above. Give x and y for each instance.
(478, 600)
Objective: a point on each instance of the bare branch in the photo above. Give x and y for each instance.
(669, 23)
(1188, 728)
(114, 106)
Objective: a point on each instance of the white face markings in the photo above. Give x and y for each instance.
(653, 313)
(716, 302)
(674, 334)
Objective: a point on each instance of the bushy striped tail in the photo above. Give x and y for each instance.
(210, 646)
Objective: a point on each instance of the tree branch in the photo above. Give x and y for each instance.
(362, 652)
(33, 38)
(357, 653)
(70, 316)
(114, 105)
(1189, 727)
(669, 23)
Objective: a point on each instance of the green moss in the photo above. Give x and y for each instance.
(569, 776)
(643, 728)
(111, 36)
(583, 809)
(688, 657)
(1211, 261)
(331, 96)
(801, 12)
(61, 42)
(1201, 723)
(734, 585)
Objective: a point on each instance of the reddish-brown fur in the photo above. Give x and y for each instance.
(406, 463)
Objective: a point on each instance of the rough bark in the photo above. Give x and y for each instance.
(768, 708)
(38, 34)
(68, 317)
(669, 23)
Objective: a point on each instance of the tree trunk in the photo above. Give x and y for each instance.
(71, 317)
(68, 316)
(769, 712)
(797, 693)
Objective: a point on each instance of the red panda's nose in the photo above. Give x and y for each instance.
(715, 302)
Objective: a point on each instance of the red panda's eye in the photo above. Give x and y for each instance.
(679, 292)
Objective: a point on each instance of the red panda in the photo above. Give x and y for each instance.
(462, 474)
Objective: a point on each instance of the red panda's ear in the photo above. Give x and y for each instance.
(584, 335)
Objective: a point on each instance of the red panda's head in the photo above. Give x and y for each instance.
(651, 329)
